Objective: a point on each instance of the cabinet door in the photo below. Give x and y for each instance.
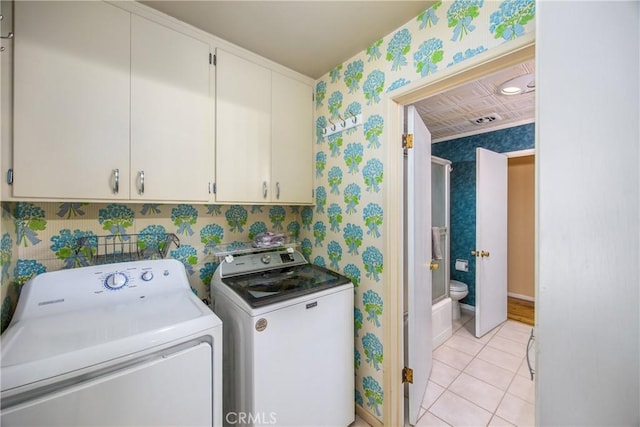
(243, 130)
(71, 100)
(171, 117)
(291, 140)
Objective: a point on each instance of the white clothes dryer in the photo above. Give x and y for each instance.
(125, 344)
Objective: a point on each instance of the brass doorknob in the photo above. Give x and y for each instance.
(475, 253)
(434, 265)
(484, 254)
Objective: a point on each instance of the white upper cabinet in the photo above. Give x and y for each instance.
(263, 134)
(243, 130)
(291, 140)
(171, 115)
(109, 105)
(71, 100)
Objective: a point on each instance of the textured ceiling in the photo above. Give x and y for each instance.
(311, 37)
(449, 115)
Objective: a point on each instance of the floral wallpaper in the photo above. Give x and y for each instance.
(345, 230)
(39, 237)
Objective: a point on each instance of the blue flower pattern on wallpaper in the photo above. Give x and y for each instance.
(319, 232)
(357, 360)
(398, 84)
(353, 157)
(373, 217)
(334, 74)
(460, 14)
(257, 228)
(372, 259)
(353, 75)
(374, 393)
(373, 51)
(373, 87)
(116, 219)
(67, 247)
(321, 163)
(277, 215)
(188, 255)
(211, 235)
(353, 273)
(214, 210)
(206, 273)
(358, 319)
(352, 197)
(184, 216)
(306, 248)
(152, 241)
(428, 18)
(321, 91)
(398, 47)
(29, 219)
(508, 22)
(427, 57)
(5, 255)
(335, 179)
(335, 142)
(319, 261)
(335, 216)
(350, 113)
(307, 217)
(321, 199)
(335, 102)
(372, 173)
(468, 53)
(236, 218)
(353, 238)
(321, 124)
(334, 251)
(373, 350)
(256, 209)
(373, 128)
(25, 270)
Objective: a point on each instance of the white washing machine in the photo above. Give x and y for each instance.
(288, 353)
(125, 344)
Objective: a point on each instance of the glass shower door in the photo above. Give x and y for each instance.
(440, 219)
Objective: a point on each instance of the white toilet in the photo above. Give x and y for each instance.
(457, 291)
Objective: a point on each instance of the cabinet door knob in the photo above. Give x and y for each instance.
(264, 189)
(116, 181)
(141, 187)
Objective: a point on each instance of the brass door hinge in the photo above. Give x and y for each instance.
(407, 140)
(407, 375)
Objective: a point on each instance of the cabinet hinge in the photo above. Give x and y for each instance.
(10, 177)
(407, 375)
(407, 140)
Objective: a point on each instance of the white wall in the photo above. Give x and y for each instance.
(588, 213)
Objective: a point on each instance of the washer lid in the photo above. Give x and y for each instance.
(38, 348)
(273, 286)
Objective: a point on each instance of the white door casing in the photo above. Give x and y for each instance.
(418, 259)
(491, 240)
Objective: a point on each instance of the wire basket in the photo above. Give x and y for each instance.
(122, 248)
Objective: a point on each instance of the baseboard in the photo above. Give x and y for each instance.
(519, 296)
(367, 417)
(468, 307)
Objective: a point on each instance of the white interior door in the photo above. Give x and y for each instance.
(491, 240)
(418, 259)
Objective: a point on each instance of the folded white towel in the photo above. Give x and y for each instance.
(436, 251)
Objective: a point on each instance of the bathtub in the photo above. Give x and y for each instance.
(441, 321)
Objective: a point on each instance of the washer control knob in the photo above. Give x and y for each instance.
(266, 259)
(116, 280)
(147, 275)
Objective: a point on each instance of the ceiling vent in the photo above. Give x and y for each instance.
(484, 120)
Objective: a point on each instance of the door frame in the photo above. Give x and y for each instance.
(472, 69)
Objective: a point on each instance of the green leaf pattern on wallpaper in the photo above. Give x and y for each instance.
(199, 227)
(346, 227)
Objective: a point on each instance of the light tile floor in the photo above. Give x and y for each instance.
(480, 381)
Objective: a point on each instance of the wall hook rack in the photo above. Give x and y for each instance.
(343, 124)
